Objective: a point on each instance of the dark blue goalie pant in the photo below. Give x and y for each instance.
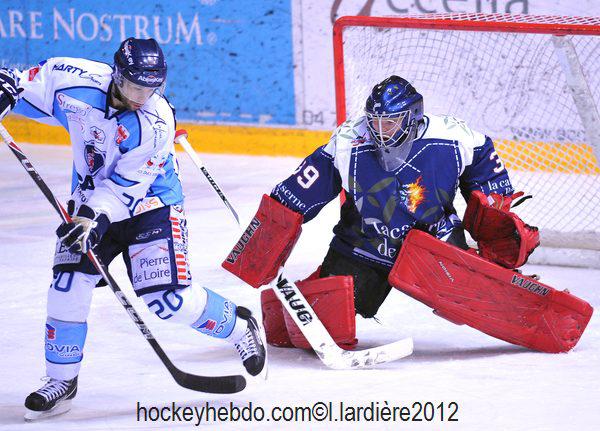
(154, 246)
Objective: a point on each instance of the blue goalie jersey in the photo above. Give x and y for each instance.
(381, 207)
(123, 161)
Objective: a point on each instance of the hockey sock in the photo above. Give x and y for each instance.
(64, 348)
(219, 318)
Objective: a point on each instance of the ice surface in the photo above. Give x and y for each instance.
(497, 385)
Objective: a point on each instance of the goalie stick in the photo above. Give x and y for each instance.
(328, 351)
(181, 139)
(210, 384)
(313, 329)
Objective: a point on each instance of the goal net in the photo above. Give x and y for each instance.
(532, 83)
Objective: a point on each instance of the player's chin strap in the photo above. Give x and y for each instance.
(217, 384)
(324, 346)
(181, 139)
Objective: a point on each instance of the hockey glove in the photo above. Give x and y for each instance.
(9, 93)
(501, 235)
(85, 230)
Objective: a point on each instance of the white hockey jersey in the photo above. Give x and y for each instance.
(123, 161)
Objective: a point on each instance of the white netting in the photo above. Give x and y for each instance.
(512, 87)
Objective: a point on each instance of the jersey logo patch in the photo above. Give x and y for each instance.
(122, 134)
(97, 134)
(412, 195)
(33, 71)
(93, 158)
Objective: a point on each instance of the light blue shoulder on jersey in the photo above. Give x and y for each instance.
(159, 119)
(131, 134)
(24, 107)
(62, 85)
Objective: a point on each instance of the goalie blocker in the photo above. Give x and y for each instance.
(266, 243)
(467, 289)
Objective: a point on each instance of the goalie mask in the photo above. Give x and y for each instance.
(139, 71)
(393, 110)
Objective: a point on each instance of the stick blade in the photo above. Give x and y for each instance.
(211, 384)
(340, 359)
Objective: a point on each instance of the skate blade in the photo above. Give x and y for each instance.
(59, 409)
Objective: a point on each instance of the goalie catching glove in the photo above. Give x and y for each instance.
(84, 231)
(501, 235)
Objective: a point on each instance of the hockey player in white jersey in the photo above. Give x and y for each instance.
(126, 198)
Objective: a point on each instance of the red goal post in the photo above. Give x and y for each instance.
(532, 83)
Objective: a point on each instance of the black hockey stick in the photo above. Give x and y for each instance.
(181, 139)
(210, 384)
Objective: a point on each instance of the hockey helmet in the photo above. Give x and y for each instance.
(139, 70)
(393, 110)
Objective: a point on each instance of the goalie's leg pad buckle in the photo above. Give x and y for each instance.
(468, 289)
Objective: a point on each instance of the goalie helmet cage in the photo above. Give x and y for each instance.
(531, 83)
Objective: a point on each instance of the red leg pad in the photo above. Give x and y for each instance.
(332, 298)
(273, 321)
(467, 289)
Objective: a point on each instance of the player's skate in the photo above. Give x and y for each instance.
(251, 347)
(54, 398)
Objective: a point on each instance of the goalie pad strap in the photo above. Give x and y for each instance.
(266, 243)
(467, 289)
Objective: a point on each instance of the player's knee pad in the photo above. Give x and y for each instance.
(332, 299)
(178, 305)
(200, 308)
(70, 296)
